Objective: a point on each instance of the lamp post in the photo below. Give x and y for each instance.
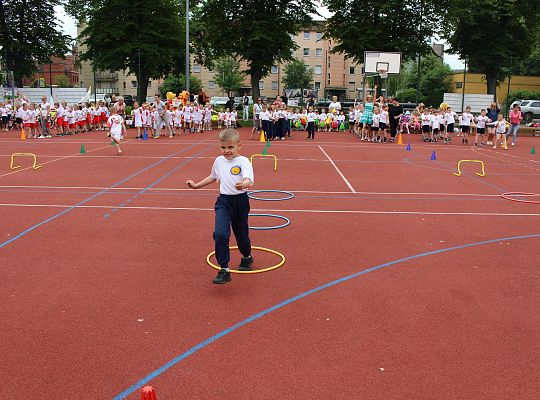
(187, 45)
(140, 99)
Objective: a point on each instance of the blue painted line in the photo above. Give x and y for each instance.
(290, 300)
(25, 232)
(142, 191)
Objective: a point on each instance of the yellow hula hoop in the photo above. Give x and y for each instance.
(256, 271)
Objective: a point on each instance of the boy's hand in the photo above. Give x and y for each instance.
(242, 185)
(191, 184)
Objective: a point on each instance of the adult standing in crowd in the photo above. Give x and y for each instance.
(202, 97)
(395, 111)
(160, 108)
(44, 118)
(284, 98)
(492, 113)
(257, 109)
(121, 107)
(515, 118)
(245, 108)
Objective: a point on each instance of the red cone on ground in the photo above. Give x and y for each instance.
(148, 393)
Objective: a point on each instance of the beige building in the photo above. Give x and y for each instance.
(334, 74)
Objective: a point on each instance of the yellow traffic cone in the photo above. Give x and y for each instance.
(262, 139)
(23, 135)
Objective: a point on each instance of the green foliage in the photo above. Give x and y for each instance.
(519, 95)
(392, 25)
(144, 38)
(128, 110)
(30, 35)
(61, 81)
(492, 35)
(228, 76)
(259, 32)
(407, 95)
(176, 83)
(298, 75)
(435, 80)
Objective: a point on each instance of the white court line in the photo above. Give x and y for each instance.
(337, 169)
(486, 214)
(214, 190)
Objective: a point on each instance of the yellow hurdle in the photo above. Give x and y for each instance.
(34, 166)
(264, 155)
(483, 173)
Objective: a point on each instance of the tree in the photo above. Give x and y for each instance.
(143, 37)
(492, 35)
(298, 75)
(228, 75)
(176, 83)
(373, 25)
(434, 81)
(258, 32)
(29, 35)
(61, 81)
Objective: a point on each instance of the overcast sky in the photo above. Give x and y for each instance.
(69, 27)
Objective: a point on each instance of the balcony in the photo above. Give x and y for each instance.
(104, 76)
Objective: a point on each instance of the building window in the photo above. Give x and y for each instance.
(211, 85)
(274, 69)
(306, 51)
(351, 70)
(317, 85)
(261, 84)
(352, 87)
(196, 67)
(133, 84)
(317, 69)
(329, 79)
(274, 85)
(124, 85)
(306, 35)
(319, 36)
(318, 52)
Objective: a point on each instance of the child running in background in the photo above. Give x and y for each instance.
(235, 175)
(500, 132)
(481, 123)
(117, 128)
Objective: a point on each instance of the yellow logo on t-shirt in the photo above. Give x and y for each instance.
(236, 170)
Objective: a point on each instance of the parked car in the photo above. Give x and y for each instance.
(219, 101)
(128, 99)
(529, 108)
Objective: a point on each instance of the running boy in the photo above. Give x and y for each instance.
(235, 175)
(117, 127)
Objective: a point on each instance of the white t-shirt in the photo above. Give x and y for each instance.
(310, 117)
(466, 119)
(376, 120)
(426, 119)
(481, 121)
(450, 117)
(115, 122)
(230, 172)
(45, 108)
(384, 117)
(501, 126)
(334, 106)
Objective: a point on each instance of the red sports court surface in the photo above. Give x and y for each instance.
(401, 280)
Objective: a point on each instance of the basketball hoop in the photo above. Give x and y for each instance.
(383, 73)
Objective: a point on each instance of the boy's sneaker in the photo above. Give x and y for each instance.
(222, 277)
(245, 264)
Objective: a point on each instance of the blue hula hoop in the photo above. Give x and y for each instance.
(267, 228)
(290, 195)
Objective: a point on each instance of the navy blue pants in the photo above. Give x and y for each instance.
(231, 211)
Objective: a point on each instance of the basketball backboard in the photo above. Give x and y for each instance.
(374, 61)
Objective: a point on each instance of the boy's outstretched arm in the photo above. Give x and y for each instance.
(246, 183)
(206, 181)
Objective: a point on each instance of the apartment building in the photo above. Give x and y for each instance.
(334, 74)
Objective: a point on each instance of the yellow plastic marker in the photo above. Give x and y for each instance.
(34, 165)
(483, 173)
(264, 155)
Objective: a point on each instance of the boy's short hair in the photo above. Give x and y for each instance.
(229, 135)
(483, 110)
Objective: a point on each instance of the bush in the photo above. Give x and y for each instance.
(407, 95)
(128, 110)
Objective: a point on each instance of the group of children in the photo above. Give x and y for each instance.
(191, 118)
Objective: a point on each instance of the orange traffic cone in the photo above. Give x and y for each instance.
(23, 135)
(148, 393)
(400, 140)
